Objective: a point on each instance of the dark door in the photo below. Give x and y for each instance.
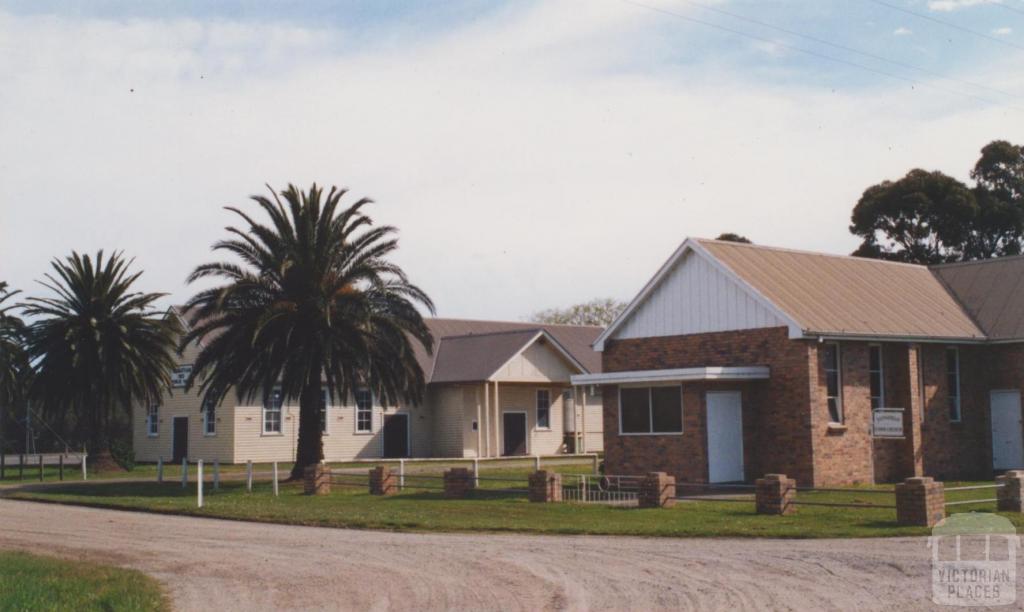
(396, 435)
(514, 424)
(180, 441)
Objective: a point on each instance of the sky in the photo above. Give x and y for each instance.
(532, 154)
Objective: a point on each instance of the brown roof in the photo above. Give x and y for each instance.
(464, 348)
(992, 291)
(841, 295)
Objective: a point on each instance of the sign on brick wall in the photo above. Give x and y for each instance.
(180, 375)
(887, 423)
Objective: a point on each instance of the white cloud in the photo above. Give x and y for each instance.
(1002, 31)
(952, 5)
(902, 31)
(525, 162)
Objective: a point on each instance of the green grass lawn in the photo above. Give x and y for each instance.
(496, 511)
(29, 582)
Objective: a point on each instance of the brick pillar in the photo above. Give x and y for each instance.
(545, 487)
(657, 490)
(382, 481)
(458, 482)
(317, 479)
(914, 410)
(775, 494)
(1011, 494)
(920, 501)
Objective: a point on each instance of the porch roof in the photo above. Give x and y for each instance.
(673, 375)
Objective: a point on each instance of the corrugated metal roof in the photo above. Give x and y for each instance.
(992, 291)
(476, 357)
(841, 295)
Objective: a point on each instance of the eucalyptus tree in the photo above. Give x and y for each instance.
(313, 303)
(98, 346)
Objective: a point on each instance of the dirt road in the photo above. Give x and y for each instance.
(224, 565)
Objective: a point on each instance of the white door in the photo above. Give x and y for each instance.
(1007, 447)
(725, 436)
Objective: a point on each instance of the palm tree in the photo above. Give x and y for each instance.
(314, 304)
(99, 347)
(14, 364)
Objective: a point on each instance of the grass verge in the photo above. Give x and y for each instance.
(30, 582)
(494, 511)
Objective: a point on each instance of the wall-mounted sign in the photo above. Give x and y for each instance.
(887, 423)
(180, 375)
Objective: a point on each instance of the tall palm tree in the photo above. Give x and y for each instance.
(99, 347)
(14, 364)
(314, 304)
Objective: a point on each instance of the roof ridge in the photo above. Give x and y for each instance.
(808, 252)
(506, 322)
(506, 332)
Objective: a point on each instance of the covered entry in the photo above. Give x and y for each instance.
(725, 436)
(1007, 447)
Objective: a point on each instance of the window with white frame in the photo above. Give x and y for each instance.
(876, 375)
(543, 409)
(325, 404)
(953, 382)
(833, 381)
(209, 416)
(364, 411)
(651, 410)
(153, 420)
(272, 412)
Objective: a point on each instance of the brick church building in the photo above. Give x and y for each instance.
(738, 360)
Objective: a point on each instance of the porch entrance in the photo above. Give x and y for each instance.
(725, 436)
(1007, 446)
(513, 425)
(396, 435)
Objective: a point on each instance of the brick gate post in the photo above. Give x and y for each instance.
(920, 501)
(657, 490)
(775, 494)
(1011, 494)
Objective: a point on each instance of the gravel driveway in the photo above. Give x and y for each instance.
(220, 565)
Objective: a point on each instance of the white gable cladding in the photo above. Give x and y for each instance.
(696, 297)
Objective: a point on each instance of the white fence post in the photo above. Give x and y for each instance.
(85, 476)
(216, 474)
(199, 483)
(275, 479)
(476, 472)
(248, 475)
(401, 474)
(184, 472)
(160, 469)
(536, 463)
(596, 471)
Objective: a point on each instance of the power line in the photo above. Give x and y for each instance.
(813, 53)
(822, 41)
(1006, 6)
(948, 24)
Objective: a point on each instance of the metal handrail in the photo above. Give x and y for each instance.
(975, 487)
(972, 501)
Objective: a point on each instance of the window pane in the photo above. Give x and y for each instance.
(833, 410)
(364, 410)
(875, 358)
(832, 383)
(543, 409)
(667, 409)
(635, 410)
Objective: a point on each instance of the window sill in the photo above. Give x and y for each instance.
(152, 435)
(272, 434)
(364, 433)
(837, 428)
(543, 429)
(210, 435)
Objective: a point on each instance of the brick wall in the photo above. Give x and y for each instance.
(776, 421)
